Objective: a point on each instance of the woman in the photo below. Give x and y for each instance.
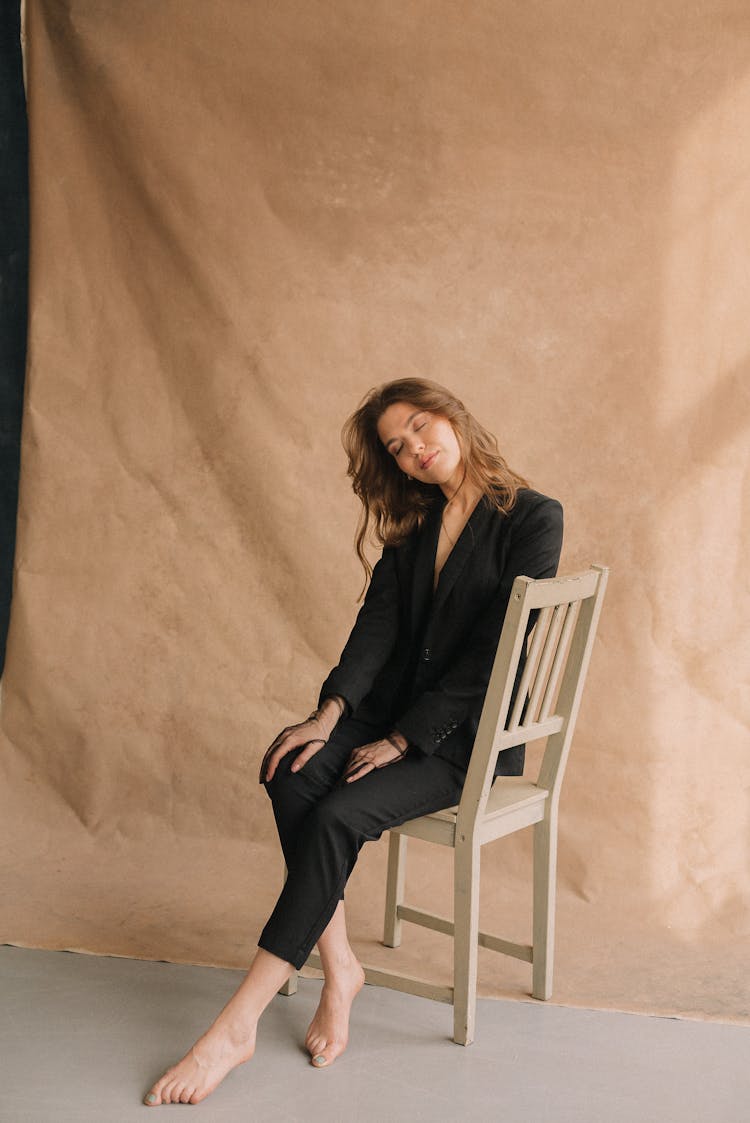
(392, 733)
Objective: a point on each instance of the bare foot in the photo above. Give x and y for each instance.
(203, 1068)
(328, 1034)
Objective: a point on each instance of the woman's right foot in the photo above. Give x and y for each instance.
(203, 1068)
(328, 1034)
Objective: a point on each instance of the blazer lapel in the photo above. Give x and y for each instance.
(460, 553)
(424, 564)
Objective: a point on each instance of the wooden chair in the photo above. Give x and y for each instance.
(545, 705)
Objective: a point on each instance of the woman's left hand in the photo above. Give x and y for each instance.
(369, 757)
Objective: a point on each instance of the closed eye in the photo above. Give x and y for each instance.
(396, 451)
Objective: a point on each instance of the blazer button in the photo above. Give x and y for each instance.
(426, 655)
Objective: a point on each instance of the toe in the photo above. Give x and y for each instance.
(166, 1094)
(156, 1092)
(325, 1056)
(315, 1044)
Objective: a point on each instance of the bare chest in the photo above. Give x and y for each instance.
(452, 524)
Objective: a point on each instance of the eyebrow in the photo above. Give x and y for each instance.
(409, 420)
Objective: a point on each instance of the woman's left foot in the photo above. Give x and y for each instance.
(328, 1034)
(203, 1068)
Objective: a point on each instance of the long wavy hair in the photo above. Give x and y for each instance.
(392, 504)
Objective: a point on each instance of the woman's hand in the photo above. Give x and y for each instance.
(313, 733)
(378, 754)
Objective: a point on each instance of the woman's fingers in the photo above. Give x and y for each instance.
(356, 769)
(310, 749)
(290, 738)
(360, 763)
(367, 758)
(264, 764)
(271, 762)
(271, 758)
(275, 755)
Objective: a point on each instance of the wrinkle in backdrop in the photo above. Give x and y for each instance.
(242, 218)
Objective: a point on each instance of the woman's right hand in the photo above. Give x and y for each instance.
(313, 733)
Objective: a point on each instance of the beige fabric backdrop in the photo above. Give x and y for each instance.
(245, 215)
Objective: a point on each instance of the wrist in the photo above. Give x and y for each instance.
(328, 713)
(398, 741)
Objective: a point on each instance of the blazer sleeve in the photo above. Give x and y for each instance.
(372, 638)
(459, 694)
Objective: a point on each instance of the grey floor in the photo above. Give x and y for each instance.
(82, 1037)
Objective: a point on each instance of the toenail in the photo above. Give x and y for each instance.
(319, 1060)
(151, 1098)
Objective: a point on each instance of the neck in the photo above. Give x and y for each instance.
(459, 492)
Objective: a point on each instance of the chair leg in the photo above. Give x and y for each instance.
(465, 940)
(394, 890)
(545, 871)
(290, 986)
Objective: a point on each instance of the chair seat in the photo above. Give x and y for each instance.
(512, 803)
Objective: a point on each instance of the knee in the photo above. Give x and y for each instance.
(332, 816)
(283, 777)
(289, 787)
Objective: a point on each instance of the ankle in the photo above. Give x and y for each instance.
(340, 962)
(238, 1032)
(344, 975)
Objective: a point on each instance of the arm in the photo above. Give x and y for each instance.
(534, 552)
(372, 638)
(370, 643)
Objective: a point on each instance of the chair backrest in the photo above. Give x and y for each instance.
(549, 693)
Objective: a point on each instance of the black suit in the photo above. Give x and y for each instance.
(421, 662)
(416, 663)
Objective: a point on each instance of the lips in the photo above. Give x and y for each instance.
(424, 464)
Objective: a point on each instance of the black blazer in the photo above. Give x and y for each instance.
(420, 663)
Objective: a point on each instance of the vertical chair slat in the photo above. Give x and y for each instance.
(550, 649)
(532, 661)
(556, 753)
(571, 614)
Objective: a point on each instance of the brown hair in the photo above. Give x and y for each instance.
(392, 504)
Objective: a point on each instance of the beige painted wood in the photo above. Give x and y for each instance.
(290, 986)
(524, 952)
(543, 938)
(465, 937)
(441, 829)
(408, 984)
(531, 667)
(513, 819)
(545, 663)
(394, 889)
(426, 920)
(546, 705)
(446, 926)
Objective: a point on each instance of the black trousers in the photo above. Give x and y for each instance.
(323, 822)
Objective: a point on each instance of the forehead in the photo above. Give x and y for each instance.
(395, 419)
